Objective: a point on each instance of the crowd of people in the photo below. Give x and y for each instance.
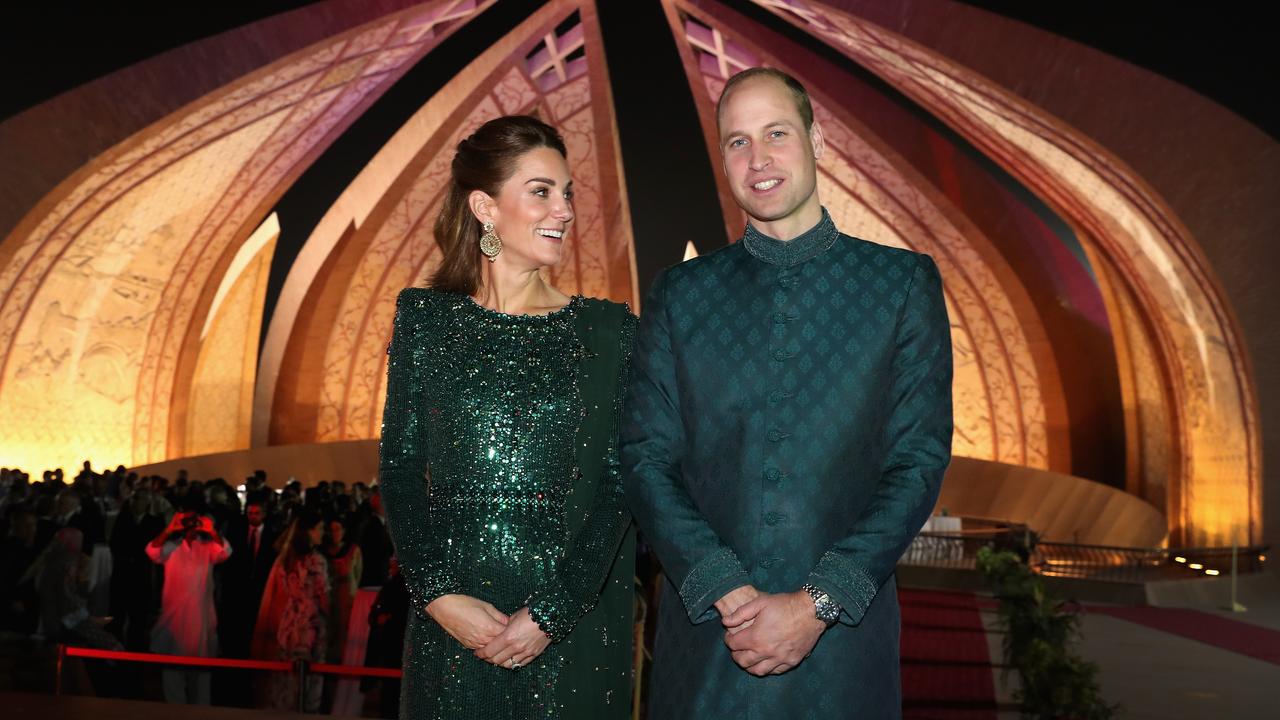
(117, 561)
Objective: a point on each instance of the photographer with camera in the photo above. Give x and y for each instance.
(188, 549)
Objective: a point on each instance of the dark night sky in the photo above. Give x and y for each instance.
(1224, 50)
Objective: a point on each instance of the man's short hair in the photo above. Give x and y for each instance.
(798, 93)
(257, 497)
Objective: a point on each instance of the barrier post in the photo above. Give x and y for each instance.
(300, 668)
(1235, 606)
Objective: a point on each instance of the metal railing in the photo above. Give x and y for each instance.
(1073, 560)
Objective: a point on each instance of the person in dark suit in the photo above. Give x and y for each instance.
(375, 543)
(71, 511)
(133, 580)
(242, 580)
(19, 607)
(388, 619)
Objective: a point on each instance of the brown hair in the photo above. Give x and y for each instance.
(296, 543)
(484, 161)
(798, 93)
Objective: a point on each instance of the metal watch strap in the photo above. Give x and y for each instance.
(825, 608)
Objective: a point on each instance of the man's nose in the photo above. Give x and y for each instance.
(760, 158)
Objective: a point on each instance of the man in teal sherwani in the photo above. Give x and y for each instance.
(787, 430)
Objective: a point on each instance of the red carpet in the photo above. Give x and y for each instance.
(946, 666)
(1251, 640)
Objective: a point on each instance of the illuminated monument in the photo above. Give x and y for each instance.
(151, 309)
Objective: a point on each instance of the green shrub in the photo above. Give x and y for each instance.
(1039, 632)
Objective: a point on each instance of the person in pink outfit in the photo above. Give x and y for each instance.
(188, 549)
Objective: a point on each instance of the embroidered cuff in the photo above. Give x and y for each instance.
(847, 582)
(552, 609)
(424, 587)
(708, 581)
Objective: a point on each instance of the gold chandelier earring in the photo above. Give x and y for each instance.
(490, 243)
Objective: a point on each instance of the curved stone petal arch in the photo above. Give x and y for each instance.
(105, 284)
(992, 343)
(1000, 412)
(337, 391)
(217, 413)
(1214, 489)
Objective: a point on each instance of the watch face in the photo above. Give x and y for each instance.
(827, 609)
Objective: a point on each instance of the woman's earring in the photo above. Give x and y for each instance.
(490, 243)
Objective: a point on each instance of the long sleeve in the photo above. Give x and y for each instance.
(918, 449)
(698, 562)
(219, 552)
(402, 462)
(575, 588)
(357, 570)
(160, 554)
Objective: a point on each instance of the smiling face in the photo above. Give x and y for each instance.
(770, 159)
(532, 211)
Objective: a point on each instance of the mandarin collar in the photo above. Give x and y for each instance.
(805, 246)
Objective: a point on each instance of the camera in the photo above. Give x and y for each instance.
(190, 521)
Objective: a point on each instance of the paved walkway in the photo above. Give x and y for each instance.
(1202, 661)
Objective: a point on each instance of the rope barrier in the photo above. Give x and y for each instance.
(300, 667)
(159, 659)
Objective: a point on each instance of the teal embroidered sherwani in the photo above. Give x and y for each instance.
(789, 422)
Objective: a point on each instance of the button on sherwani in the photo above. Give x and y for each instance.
(789, 422)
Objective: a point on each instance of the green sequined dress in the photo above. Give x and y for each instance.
(500, 477)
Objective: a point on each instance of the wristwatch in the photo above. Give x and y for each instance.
(825, 608)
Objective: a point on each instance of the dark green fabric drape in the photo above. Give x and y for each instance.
(600, 646)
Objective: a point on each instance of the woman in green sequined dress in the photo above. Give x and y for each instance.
(499, 457)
